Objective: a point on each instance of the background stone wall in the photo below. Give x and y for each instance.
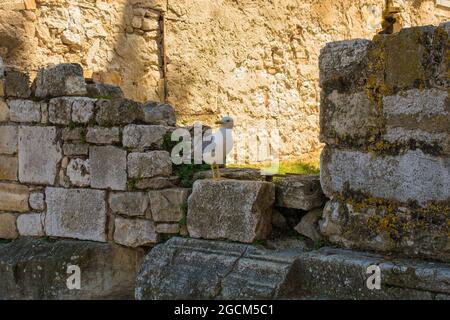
(254, 60)
(385, 122)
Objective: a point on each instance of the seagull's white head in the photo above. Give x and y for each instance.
(226, 122)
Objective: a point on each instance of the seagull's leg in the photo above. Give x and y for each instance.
(218, 172)
(212, 170)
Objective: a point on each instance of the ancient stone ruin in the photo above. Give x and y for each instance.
(87, 181)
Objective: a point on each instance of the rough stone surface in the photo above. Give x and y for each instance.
(60, 80)
(37, 201)
(8, 139)
(412, 176)
(60, 110)
(8, 168)
(13, 197)
(149, 164)
(118, 111)
(129, 203)
(232, 173)
(4, 109)
(108, 168)
(76, 213)
(78, 172)
(230, 209)
(157, 183)
(17, 84)
(39, 155)
(99, 135)
(144, 137)
(8, 229)
(31, 225)
(83, 110)
(100, 90)
(200, 269)
(135, 232)
(168, 228)
(299, 192)
(36, 269)
(309, 225)
(75, 149)
(159, 113)
(24, 111)
(166, 205)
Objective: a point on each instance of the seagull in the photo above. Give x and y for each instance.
(220, 144)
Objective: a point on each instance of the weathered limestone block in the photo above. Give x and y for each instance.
(343, 64)
(9, 166)
(102, 91)
(129, 203)
(230, 209)
(8, 139)
(157, 183)
(348, 116)
(309, 225)
(13, 197)
(108, 168)
(60, 80)
(233, 173)
(31, 225)
(142, 137)
(37, 201)
(76, 213)
(4, 109)
(73, 134)
(168, 228)
(8, 229)
(17, 84)
(135, 232)
(75, 149)
(118, 112)
(413, 176)
(184, 268)
(39, 155)
(299, 192)
(417, 233)
(36, 269)
(99, 135)
(60, 110)
(83, 110)
(78, 172)
(24, 111)
(159, 113)
(167, 205)
(149, 164)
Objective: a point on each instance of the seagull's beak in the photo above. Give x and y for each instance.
(218, 122)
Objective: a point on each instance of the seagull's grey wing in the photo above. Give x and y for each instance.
(210, 143)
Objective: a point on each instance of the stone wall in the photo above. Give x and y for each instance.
(80, 161)
(254, 60)
(386, 125)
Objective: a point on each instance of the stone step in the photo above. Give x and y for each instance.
(185, 268)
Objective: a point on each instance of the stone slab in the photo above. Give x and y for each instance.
(108, 167)
(299, 192)
(14, 197)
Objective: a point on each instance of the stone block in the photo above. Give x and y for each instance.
(37, 201)
(24, 111)
(108, 168)
(309, 225)
(73, 134)
(191, 269)
(168, 228)
(231, 209)
(102, 91)
(13, 197)
(135, 232)
(76, 213)
(78, 172)
(8, 139)
(4, 111)
(9, 166)
(159, 113)
(149, 165)
(157, 183)
(167, 205)
(129, 203)
(60, 80)
(8, 229)
(118, 112)
(39, 155)
(343, 65)
(60, 110)
(17, 84)
(413, 176)
(83, 110)
(99, 135)
(299, 192)
(31, 225)
(141, 137)
(33, 269)
(75, 149)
